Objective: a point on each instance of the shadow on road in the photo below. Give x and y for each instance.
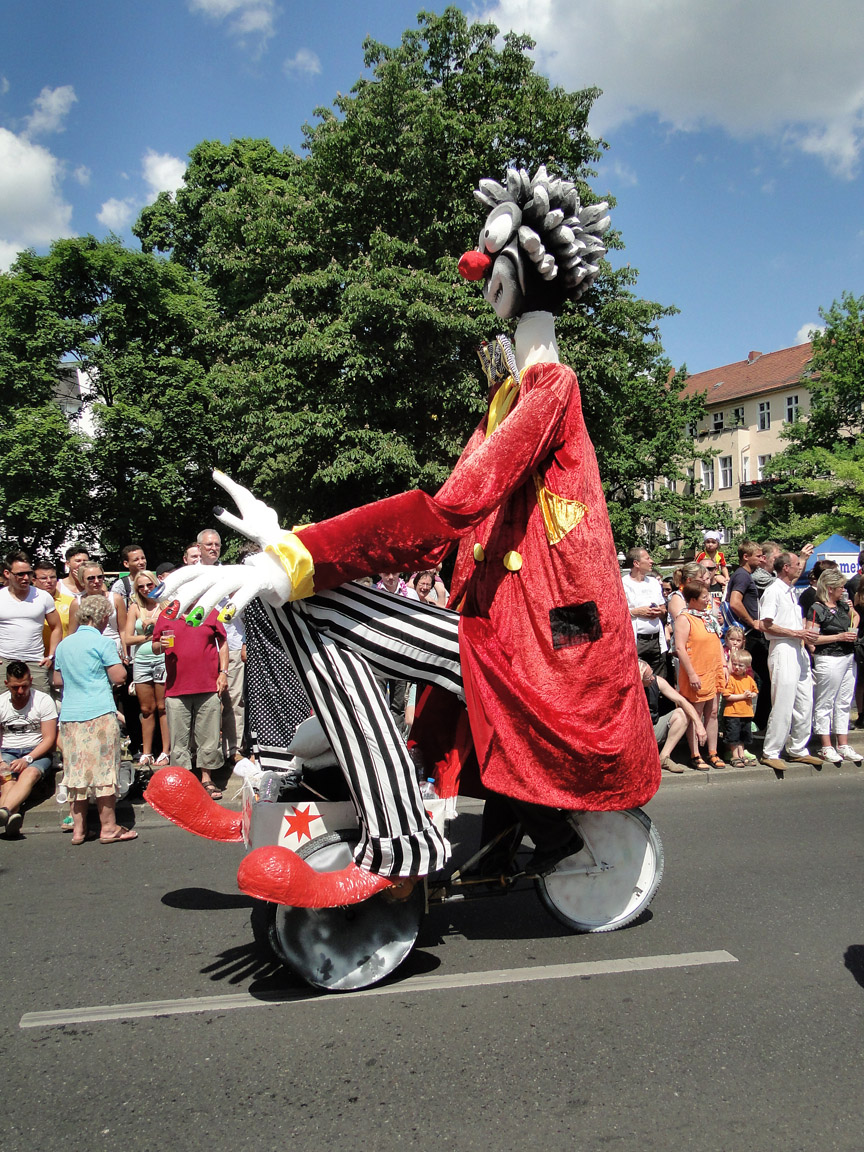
(205, 900)
(250, 961)
(853, 958)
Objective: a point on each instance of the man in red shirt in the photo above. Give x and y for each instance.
(196, 663)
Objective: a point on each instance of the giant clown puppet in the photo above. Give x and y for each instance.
(537, 642)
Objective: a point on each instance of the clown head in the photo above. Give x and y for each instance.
(538, 246)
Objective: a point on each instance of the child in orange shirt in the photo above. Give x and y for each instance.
(739, 695)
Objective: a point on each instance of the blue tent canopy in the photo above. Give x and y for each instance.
(838, 548)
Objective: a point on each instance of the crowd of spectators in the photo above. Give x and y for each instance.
(726, 651)
(740, 653)
(87, 669)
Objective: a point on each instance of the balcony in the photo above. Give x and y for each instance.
(756, 489)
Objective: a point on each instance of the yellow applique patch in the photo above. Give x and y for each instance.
(560, 515)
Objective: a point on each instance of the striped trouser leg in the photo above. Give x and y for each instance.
(340, 642)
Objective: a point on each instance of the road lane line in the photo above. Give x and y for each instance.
(151, 1008)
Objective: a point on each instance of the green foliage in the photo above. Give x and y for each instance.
(136, 327)
(819, 478)
(308, 331)
(347, 365)
(44, 473)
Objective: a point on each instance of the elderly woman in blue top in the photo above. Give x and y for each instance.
(86, 665)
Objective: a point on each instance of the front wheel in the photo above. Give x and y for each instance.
(613, 879)
(348, 948)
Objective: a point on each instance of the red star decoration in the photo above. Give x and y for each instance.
(298, 822)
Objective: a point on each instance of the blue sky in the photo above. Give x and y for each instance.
(735, 128)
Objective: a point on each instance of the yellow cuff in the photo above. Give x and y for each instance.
(297, 561)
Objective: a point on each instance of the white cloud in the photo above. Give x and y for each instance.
(163, 172)
(780, 68)
(805, 332)
(117, 214)
(32, 209)
(4, 85)
(50, 109)
(82, 175)
(253, 22)
(303, 63)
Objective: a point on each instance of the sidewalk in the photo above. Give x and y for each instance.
(43, 813)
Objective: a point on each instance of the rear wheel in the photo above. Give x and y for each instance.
(613, 879)
(348, 948)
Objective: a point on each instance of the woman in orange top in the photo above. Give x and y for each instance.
(701, 668)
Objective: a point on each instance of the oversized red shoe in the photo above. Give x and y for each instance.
(181, 798)
(279, 876)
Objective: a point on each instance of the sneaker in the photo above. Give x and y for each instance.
(849, 753)
(749, 758)
(13, 824)
(830, 754)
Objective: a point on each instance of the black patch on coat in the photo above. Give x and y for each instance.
(575, 624)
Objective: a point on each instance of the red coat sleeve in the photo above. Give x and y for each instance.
(414, 530)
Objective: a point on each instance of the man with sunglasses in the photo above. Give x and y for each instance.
(24, 610)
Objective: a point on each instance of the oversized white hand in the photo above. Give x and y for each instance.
(206, 586)
(256, 520)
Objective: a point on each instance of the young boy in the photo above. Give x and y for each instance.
(739, 694)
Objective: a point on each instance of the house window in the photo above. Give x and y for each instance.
(691, 481)
(692, 429)
(648, 490)
(673, 532)
(764, 415)
(708, 475)
(725, 471)
(762, 465)
(791, 409)
(745, 469)
(718, 421)
(738, 417)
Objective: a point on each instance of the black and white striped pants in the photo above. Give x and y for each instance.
(342, 642)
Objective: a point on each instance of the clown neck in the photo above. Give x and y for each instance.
(534, 341)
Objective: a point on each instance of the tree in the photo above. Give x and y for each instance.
(138, 327)
(346, 363)
(819, 478)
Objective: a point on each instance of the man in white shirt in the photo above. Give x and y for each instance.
(28, 734)
(647, 610)
(23, 612)
(789, 665)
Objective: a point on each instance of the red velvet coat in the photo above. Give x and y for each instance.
(557, 708)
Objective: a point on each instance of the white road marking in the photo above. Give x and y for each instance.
(150, 1008)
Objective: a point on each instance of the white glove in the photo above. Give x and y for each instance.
(262, 575)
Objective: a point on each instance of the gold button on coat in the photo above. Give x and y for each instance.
(512, 561)
(479, 554)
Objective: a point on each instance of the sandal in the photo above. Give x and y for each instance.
(145, 760)
(716, 761)
(699, 764)
(738, 762)
(118, 836)
(212, 790)
(162, 760)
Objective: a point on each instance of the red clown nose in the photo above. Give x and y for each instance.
(474, 265)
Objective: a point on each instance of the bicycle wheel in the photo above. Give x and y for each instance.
(613, 879)
(344, 949)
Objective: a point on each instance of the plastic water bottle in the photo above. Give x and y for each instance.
(427, 789)
(61, 795)
(270, 787)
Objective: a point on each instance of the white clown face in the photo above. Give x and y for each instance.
(502, 289)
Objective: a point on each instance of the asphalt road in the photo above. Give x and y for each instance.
(760, 1053)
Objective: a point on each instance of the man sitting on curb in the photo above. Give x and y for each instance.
(28, 734)
(669, 729)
